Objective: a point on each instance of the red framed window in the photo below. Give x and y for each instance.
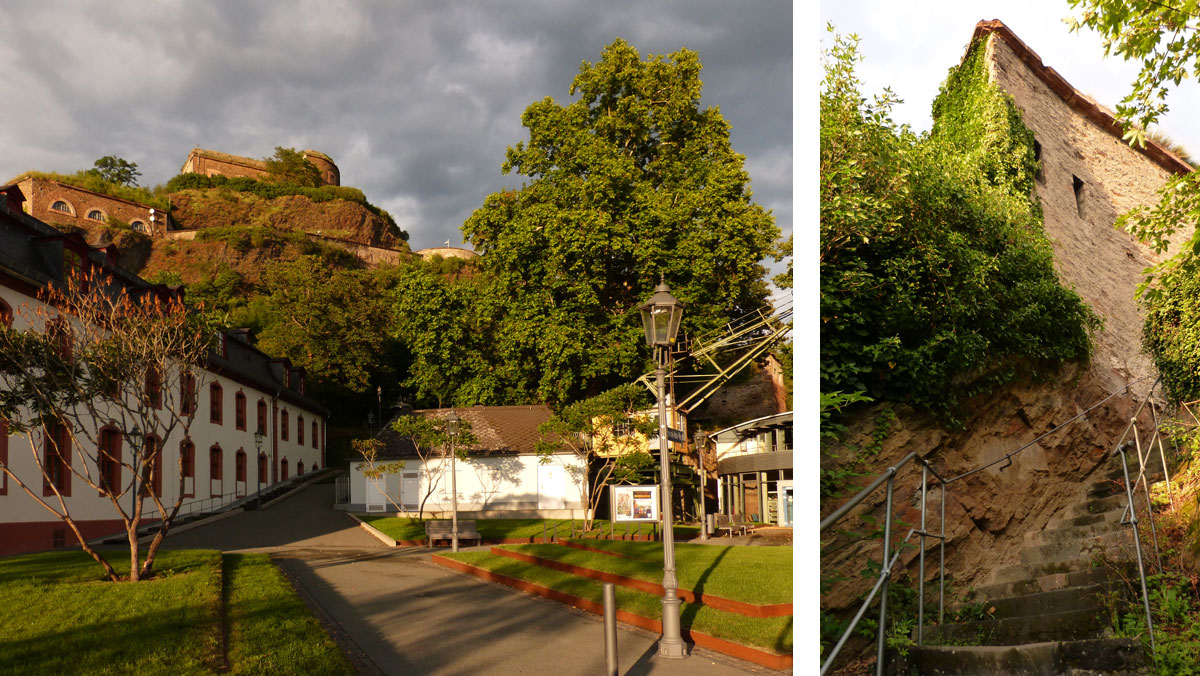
(239, 465)
(153, 387)
(300, 468)
(300, 430)
(262, 416)
(283, 425)
(110, 461)
(215, 401)
(187, 394)
(315, 433)
(152, 466)
(59, 332)
(6, 314)
(262, 468)
(283, 472)
(215, 464)
(239, 411)
(56, 460)
(187, 463)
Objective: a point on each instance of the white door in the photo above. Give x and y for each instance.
(376, 502)
(553, 485)
(410, 490)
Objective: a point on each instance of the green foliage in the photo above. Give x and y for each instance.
(270, 191)
(289, 166)
(334, 323)
(116, 170)
(937, 282)
(631, 182)
(1171, 334)
(244, 239)
(783, 250)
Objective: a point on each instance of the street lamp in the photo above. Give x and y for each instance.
(660, 317)
(134, 435)
(258, 442)
(701, 442)
(452, 431)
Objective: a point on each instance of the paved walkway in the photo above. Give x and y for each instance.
(394, 612)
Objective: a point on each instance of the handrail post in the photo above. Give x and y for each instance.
(887, 574)
(1137, 542)
(921, 576)
(942, 565)
(1146, 490)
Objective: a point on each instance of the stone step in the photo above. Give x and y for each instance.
(1097, 526)
(1043, 583)
(1065, 625)
(1116, 544)
(1109, 656)
(1083, 596)
(1112, 516)
(1098, 505)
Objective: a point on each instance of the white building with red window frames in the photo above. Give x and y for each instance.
(244, 392)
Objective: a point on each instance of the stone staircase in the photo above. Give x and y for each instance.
(1050, 614)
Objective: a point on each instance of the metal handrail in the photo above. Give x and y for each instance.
(889, 559)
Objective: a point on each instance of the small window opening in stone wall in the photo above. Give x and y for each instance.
(62, 207)
(1078, 186)
(138, 225)
(96, 215)
(1037, 155)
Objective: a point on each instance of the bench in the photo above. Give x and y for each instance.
(444, 530)
(725, 524)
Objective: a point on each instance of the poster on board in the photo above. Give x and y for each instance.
(634, 503)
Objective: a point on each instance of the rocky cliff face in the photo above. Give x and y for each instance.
(339, 219)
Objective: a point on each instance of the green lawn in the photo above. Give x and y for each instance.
(758, 575)
(404, 528)
(59, 616)
(772, 633)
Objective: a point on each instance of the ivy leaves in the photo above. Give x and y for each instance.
(936, 280)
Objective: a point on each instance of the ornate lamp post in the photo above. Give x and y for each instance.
(258, 442)
(135, 435)
(452, 431)
(701, 442)
(660, 317)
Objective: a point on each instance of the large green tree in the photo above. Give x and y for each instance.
(116, 170)
(632, 182)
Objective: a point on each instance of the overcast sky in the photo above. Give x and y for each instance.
(909, 46)
(415, 101)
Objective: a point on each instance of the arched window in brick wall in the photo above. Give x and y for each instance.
(96, 215)
(63, 207)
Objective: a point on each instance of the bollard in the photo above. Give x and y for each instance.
(610, 629)
(544, 540)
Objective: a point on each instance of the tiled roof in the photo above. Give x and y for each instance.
(1081, 103)
(502, 430)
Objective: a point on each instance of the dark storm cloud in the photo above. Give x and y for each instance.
(416, 102)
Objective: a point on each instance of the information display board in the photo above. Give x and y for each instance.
(634, 503)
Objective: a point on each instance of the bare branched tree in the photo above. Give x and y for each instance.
(101, 378)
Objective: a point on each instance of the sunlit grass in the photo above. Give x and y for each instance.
(59, 615)
(758, 575)
(405, 528)
(772, 633)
